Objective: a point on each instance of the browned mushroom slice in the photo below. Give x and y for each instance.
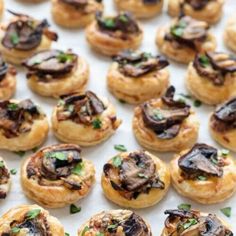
(151, 1)
(201, 160)
(198, 4)
(3, 68)
(4, 178)
(76, 3)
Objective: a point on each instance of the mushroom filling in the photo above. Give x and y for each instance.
(165, 121)
(215, 66)
(191, 223)
(80, 108)
(201, 162)
(18, 118)
(56, 163)
(51, 64)
(188, 32)
(26, 33)
(150, 2)
(197, 5)
(136, 64)
(4, 178)
(133, 175)
(3, 69)
(79, 4)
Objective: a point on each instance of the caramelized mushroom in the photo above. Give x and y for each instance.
(4, 178)
(3, 68)
(197, 5)
(76, 3)
(151, 1)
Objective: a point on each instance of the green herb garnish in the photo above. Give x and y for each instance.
(63, 57)
(189, 223)
(14, 38)
(184, 206)
(13, 171)
(112, 226)
(117, 161)
(157, 115)
(120, 147)
(86, 229)
(224, 152)
(100, 234)
(35, 149)
(97, 124)
(78, 169)
(197, 103)
(20, 153)
(12, 106)
(33, 214)
(67, 234)
(57, 155)
(74, 209)
(1, 164)
(201, 178)
(143, 176)
(204, 60)
(15, 230)
(226, 211)
(109, 23)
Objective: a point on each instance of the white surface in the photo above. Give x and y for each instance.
(96, 201)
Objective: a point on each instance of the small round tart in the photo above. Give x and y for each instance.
(165, 124)
(230, 34)
(135, 180)
(111, 35)
(193, 222)
(75, 13)
(222, 124)
(204, 174)
(7, 80)
(23, 125)
(84, 119)
(205, 10)
(24, 36)
(1, 7)
(5, 179)
(30, 220)
(183, 38)
(141, 8)
(135, 77)
(57, 175)
(115, 222)
(211, 77)
(53, 73)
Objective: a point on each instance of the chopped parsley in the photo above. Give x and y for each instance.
(178, 30)
(64, 57)
(100, 234)
(86, 229)
(184, 206)
(226, 211)
(13, 171)
(78, 169)
(97, 124)
(157, 115)
(32, 214)
(57, 155)
(20, 153)
(12, 106)
(197, 103)
(204, 60)
(74, 209)
(15, 230)
(1, 164)
(35, 149)
(189, 223)
(224, 152)
(117, 161)
(143, 176)
(109, 23)
(123, 18)
(120, 147)
(67, 234)
(201, 178)
(14, 38)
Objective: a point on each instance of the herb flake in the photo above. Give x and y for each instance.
(74, 209)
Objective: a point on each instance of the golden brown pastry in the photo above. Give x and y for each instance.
(165, 124)
(75, 13)
(53, 73)
(135, 77)
(115, 222)
(1, 7)
(84, 119)
(183, 38)
(111, 35)
(141, 8)
(205, 10)
(7, 80)
(23, 125)
(27, 220)
(211, 77)
(135, 180)
(204, 174)
(192, 222)
(57, 175)
(222, 124)
(23, 36)
(5, 179)
(230, 34)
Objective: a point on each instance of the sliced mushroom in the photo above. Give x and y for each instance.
(76, 3)
(4, 178)
(3, 68)
(151, 1)
(198, 4)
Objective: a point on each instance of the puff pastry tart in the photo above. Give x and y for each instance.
(192, 222)
(7, 80)
(116, 222)
(135, 77)
(204, 174)
(57, 175)
(53, 73)
(23, 36)
(230, 34)
(183, 38)
(141, 8)
(5, 179)
(1, 7)
(23, 125)
(27, 220)
(223, 124)
(211, 77)
(205, 10)
(75, 13)
(137, 179)
(165, 124)
(84, 119)
(111, 35)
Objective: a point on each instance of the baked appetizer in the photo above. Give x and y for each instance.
(192, 222)
(29, 220)
(185, 37)
(1, 7)
(53, 73)
(135, 77)
(111, 35)
(230, 34)
(57, 175)
(165, 124)
(84, 119)
(24, 36)
(7, 80)
(204, 174)
(115, 222)
(75, 13)
(205, 10)
(141, 8)
(223, 124)
(211, 77)
(135, 180)
(5, 179)
(23, 125)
